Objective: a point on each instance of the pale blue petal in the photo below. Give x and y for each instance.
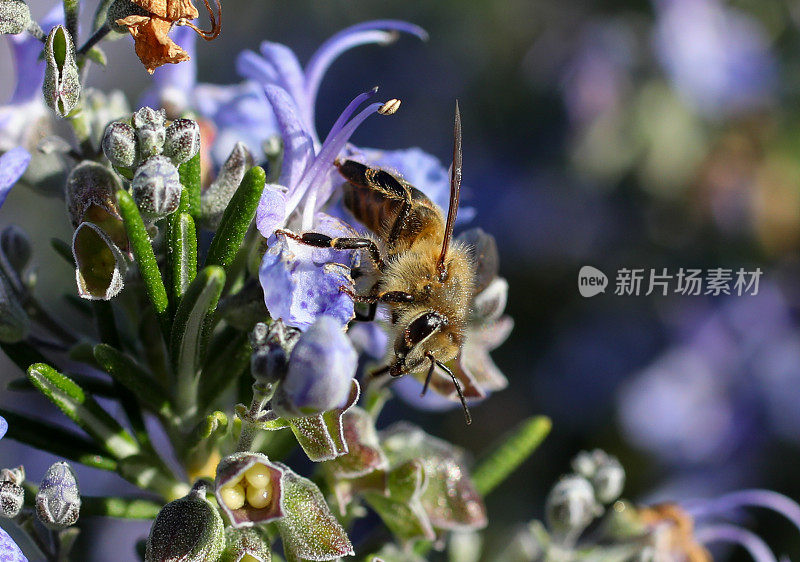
(298, 290)
(321, 368)
(289, 76)
(12, 165)
(298, 145)
(3, 426)
(370, 339)
(271, 212)
(9, 551)
(377, 31)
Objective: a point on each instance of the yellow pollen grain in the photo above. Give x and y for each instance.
(233, 495)
(248, 558)
(257, 475)
(390, 107)
(258, 497)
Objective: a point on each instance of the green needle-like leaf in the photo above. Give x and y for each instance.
(511, 453)
(83, 410)
(61, 442)
(237, 218)
(187, 339)
(181, 254)
(92, 385)
(190, 179)
(124, 508)
(134, 377)
(143, 251)
(228, 356)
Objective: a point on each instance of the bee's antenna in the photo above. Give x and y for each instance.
(455, 187)
(447, 370)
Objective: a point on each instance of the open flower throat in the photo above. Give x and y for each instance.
(150, 29)
(254, 488)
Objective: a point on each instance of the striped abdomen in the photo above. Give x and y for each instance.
(379, 200)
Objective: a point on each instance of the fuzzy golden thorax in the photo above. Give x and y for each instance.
(414, 271)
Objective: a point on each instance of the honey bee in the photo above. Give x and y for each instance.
(423, 276)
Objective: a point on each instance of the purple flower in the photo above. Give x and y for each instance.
(3, 427)
(716, 56)
(321, 369)
(302, 283)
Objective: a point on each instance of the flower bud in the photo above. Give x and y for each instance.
(150, 130)
(58, 502)
(188, 529)
(92, 185)
(121, 9)
(12, 495)
(15, 16)
(14, 321)
(101, 267)
(16, 248)
(604, 471)
(245, 545)
(249, 489)
(215, 199)
(119, 144)
(156, 188)
(272, 346)
(321, 368)
(571, 505)
(182, 140)
(62, 86)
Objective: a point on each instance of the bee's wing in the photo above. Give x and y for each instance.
(484, 254)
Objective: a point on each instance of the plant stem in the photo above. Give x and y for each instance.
(96, 37)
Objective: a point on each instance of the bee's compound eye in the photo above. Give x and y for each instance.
(417, 331)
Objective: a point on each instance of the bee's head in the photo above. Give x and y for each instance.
(428, 333)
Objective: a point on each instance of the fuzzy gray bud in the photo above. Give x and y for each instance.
(62, 85)
(272, 346)
(121, 9)
(58, 502)
(119, 144)
(156, 188)
(189, 529)
(604, 471)
(91, 188)
(182, 141)
(150, 130)
(215, 199)
(246, 545)
(12, 496)
(571, 505)
(15, 16)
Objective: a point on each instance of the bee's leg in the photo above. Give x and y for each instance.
(429, 375)
(324, 241)
(447, 370)
(400, 222)
(388, 297)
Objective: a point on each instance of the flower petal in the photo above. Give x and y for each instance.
(299, 290)
(12, 165)
(271, 212)
(3, 426)
(377, 31)
(298, 145)
(322, 366)
(28, 65)
(9, 551)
